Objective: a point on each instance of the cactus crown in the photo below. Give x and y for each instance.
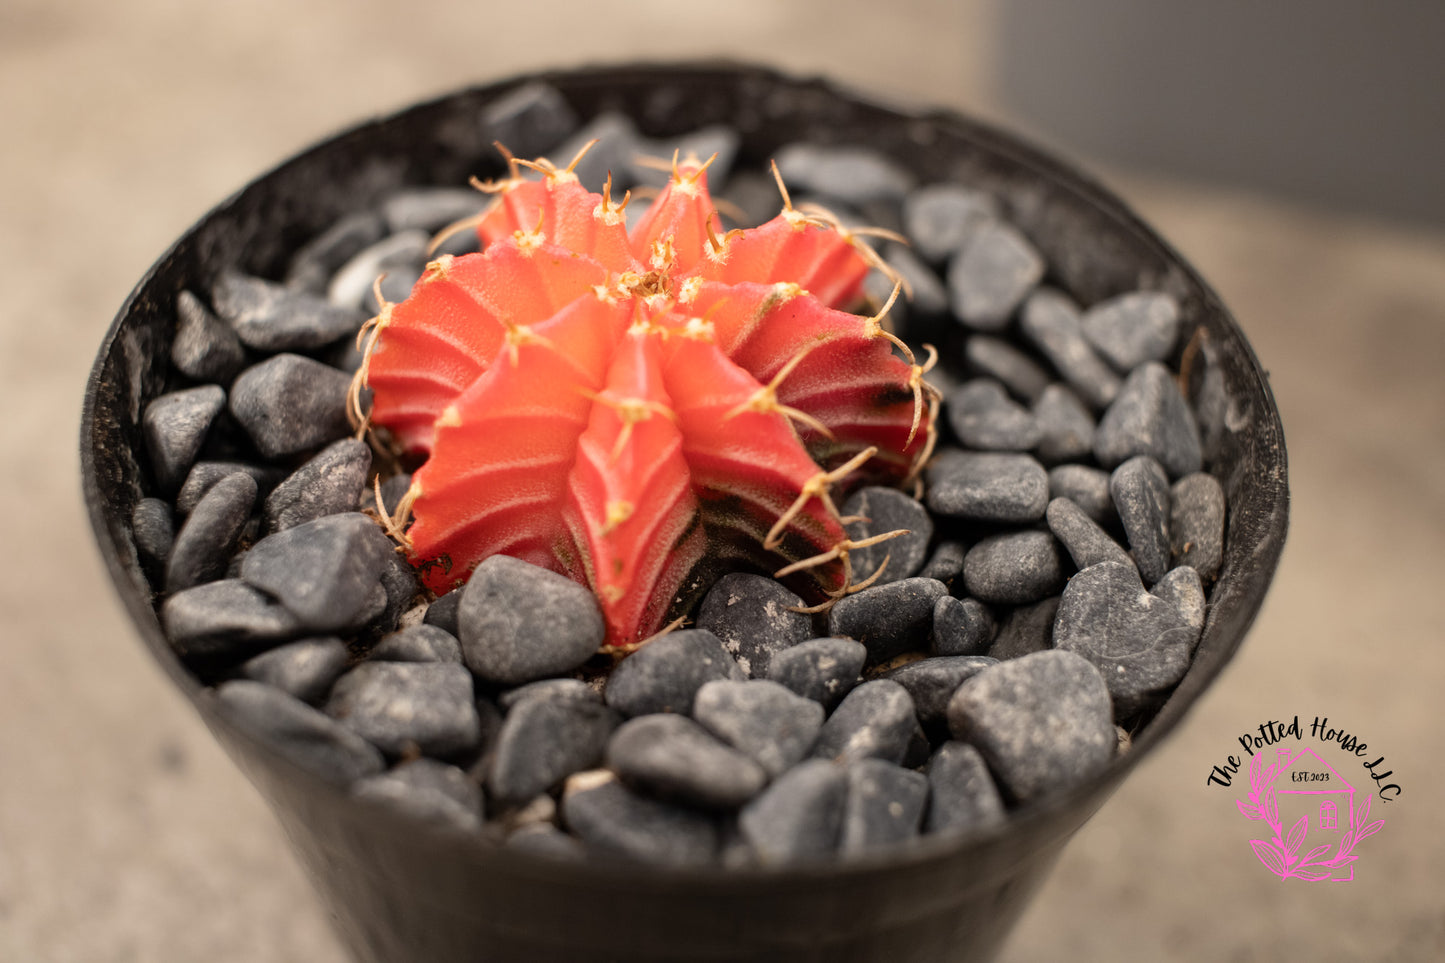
(612, 404)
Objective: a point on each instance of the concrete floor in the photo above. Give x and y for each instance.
(126, 835)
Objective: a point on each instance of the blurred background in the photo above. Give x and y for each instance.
(1292, 151)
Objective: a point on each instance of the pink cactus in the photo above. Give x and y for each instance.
(612, 406)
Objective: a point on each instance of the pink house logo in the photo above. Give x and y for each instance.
(1316, 821)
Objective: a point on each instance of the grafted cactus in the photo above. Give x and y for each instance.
(613, 405)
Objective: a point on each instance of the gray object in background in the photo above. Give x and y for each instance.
(1325, 100)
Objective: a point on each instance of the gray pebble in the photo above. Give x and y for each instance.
(720, 139)
(764, 720)
(429, 209)
(1022, 375)
(1081, 535)
(932, 682)
(756, 196)
(521, 622)
(753, 617)
(418, 643)
(962, 796)
(884, 806)
(392, 492)
(665, 674)
(273, 317)
(877, 289)
(1014, 568)
(226, 619)
(209, 537)
(547, 841)
(1051, 322)
(403, 707)
(961, 627)
(397, 255)
(987, 486)
(946, 563)
(289, 404)
(670, 757)
(430, 791)
(543, 741)
(823, 670)
(204, 348)
(992, 274)
(330, 482)
(402, 590)
(889, 619)
(175, 426)
(1087, 487)
(1149, 417)
(1196, 524)
(886, 510)
(853, 175)
(984, 417)
(1043, 722)
(319, 258)
(303, 670)
(1133, 328)
(1140, 643)
(204, 474)
(612, 820)
(323, 571)
(940, 218)
(298, 731)
(574, 689)
(1066, 429)
(800, 816)
(1025, 629)
(929, 296)
(530, 120)
(154, 531)
(875, 720)
(1140, 492)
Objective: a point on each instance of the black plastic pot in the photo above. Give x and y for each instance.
(401, 892)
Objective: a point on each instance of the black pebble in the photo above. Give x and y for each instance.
(320, 257)
(402, 707)
(209, 537)
(889, 619)
(987, 486)
(875, 720)
(940, 218)
(154, 530)
(323, 571)
(753, 617)
(764, 720)
(543, 741)
(885, 510)
(1022, 375)
(443, 612)
(549, 689)
(330, 482)
(1140, 492)
(310, 738)
(671, 757)
(520, 622)
(991, 275)
(1014, 568)
(615, 821)
(1051, 322)
(429, 209)
(1149, 417)
(290, 404)
(932, 682)
(304, 670)
(175, 426)
(665, 674)
(824, 670)
(1025, 629)
(430, 791)
(1042, 722)
(1133, 328)
(530, 120)
(985, 418)
(418, 643)
(1087, 487)
(1196, 524)
(272, 317)
(946, 563)
(1066, 429)
(204, 474)
(883, 807)
(854, 175)
(800, 816)
(961, 627)
(226, 619)
(1086, 541)
(962, 795)
(204, 348)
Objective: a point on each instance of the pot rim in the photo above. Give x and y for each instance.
(1044, 821)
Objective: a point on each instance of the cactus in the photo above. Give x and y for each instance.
(614, 405)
